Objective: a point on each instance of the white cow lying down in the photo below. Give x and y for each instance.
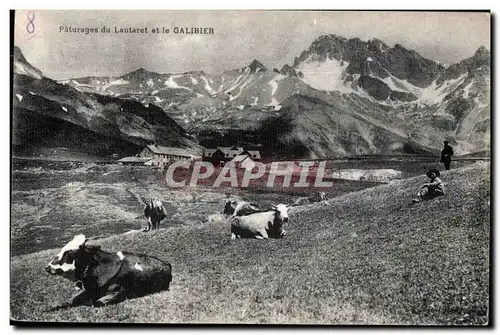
(260, 225)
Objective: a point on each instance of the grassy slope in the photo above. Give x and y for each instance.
(53, 203)
(365, 257)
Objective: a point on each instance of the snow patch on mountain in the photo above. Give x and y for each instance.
(434, 94)
(467, 88)
(274, 103)
(274, 83)
(238, 81)
(274, 86)
(115, 82)
(325, 76)
(193, 80)
(390, 82)
(231, 97)
(19, 96)
(170, 83)
(207, 87)
(150, 82)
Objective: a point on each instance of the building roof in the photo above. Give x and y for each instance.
(161, 150)
(209, 152)
(240, 158)
(225, 150)
(232, 151)
(255, 154)
(134, 159)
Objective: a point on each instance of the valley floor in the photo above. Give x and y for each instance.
(365, 257)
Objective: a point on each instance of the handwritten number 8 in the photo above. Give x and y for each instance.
(30, 27)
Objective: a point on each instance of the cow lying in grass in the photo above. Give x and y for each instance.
(317, 197)
(240, 208)
(260, 225)
(109, 277)
(154, 212)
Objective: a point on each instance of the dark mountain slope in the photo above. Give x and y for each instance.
(103, 125)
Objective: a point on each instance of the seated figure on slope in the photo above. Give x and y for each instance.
(434, 188)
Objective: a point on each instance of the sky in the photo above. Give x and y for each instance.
(272, 37)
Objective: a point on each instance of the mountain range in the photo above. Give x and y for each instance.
(339, 97)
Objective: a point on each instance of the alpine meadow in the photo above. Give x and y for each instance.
(154, 182)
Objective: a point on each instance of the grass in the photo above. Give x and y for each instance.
(51, 203)
(366, 257)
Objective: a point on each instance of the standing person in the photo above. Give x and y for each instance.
(446, 154)
(434, 188)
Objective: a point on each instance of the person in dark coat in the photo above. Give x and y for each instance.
(446, 154)
(434, 188)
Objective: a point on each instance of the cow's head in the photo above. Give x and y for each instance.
(281, 212)
(229, 207)
(64, 263)
(155, 203)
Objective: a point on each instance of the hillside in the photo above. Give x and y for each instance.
(312, 128)
(47, 114)
(368, 257)
(431, 101)
(418, 97)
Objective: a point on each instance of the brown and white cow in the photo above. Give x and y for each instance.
(154, 212)
(109, 277)
(260, 225)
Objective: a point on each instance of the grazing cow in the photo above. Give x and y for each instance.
(260, 225)
(154, 212)
(317, 197)
(240, 208)
(108, 277)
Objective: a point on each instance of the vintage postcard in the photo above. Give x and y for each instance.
(251, 167)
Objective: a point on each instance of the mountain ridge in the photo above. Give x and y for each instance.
(419, 98)
(48, 113)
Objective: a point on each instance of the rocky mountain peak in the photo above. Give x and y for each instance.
(482, 50)
(255, 66)
(482, 56)
(22, 66)
(139, 71)
(140, 74)
(18, 54)
(377, 45)
(402, 63)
